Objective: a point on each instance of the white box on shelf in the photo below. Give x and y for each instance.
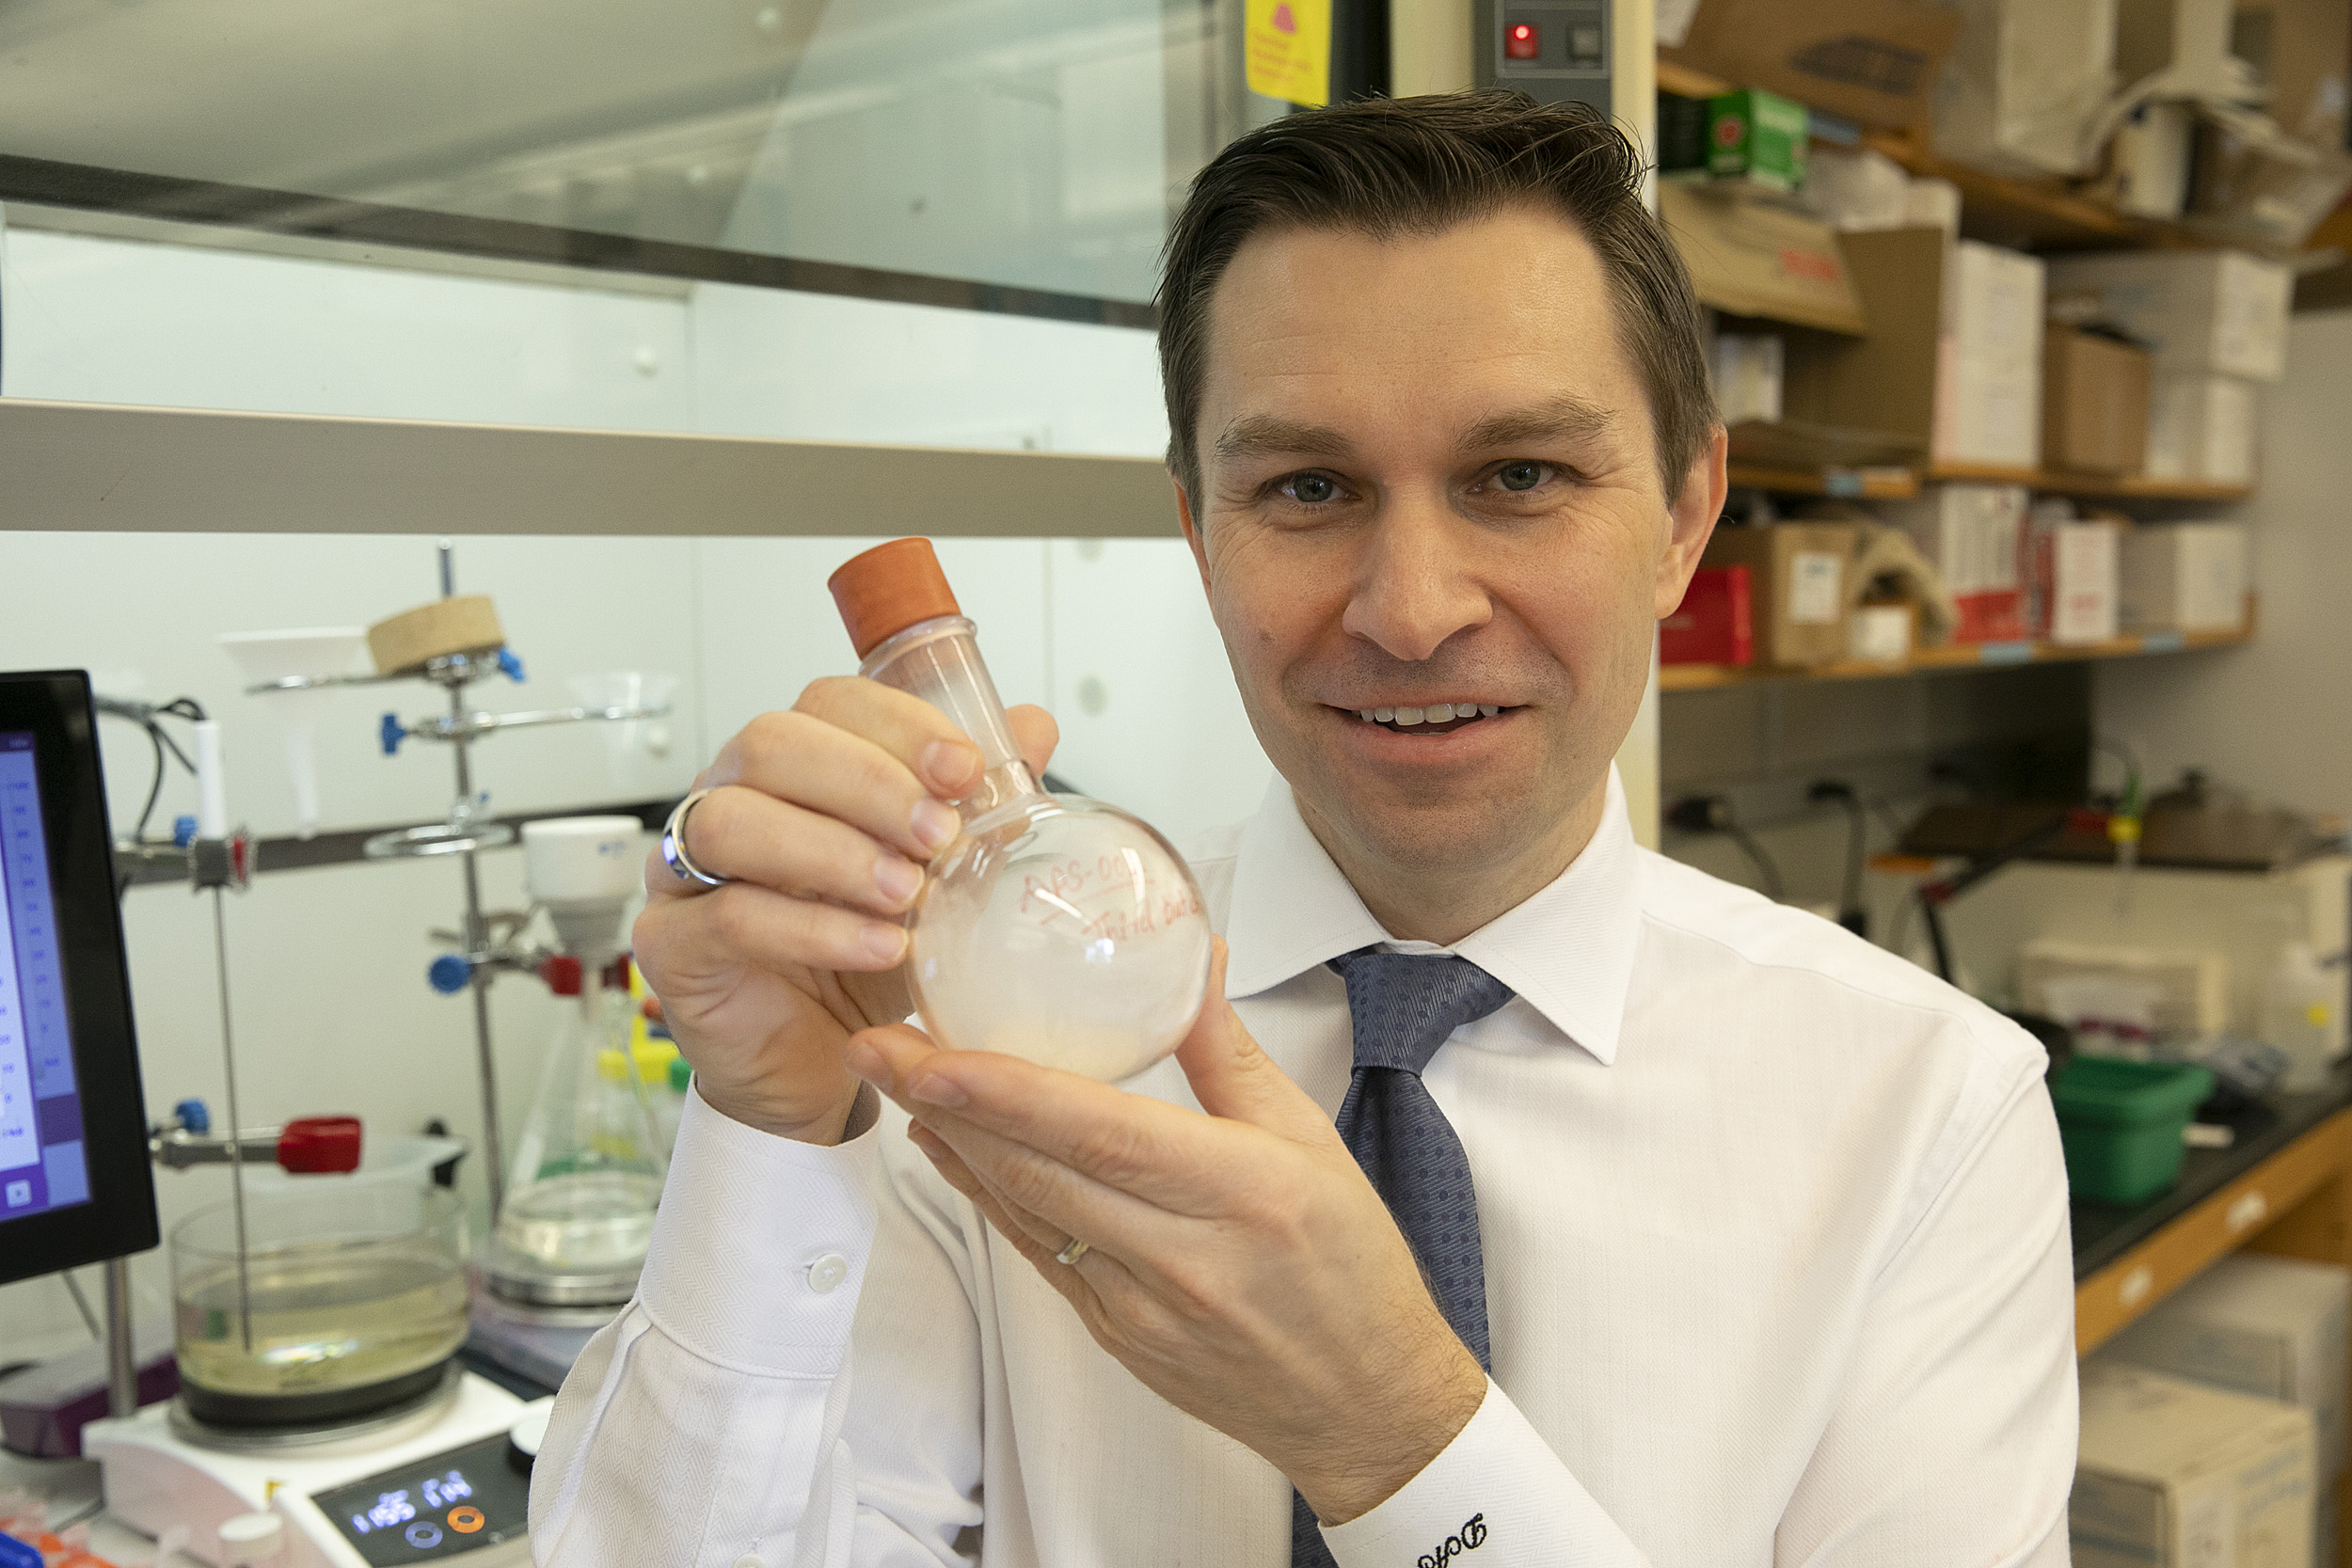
(2259, 1324)
(1856, 189)
(2184, 577)
(2173, 1474)
(2201, 427)
(2076, 581)
(2215, 313)
(2023, 82)
(1971, 534)
(1747, 371)
(1988, 371)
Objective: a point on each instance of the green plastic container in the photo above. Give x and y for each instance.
(2121, 1122)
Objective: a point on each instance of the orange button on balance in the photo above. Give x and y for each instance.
(466, 1519)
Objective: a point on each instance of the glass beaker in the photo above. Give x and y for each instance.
(354, 1294)
(586, 1178)
(1057, 927)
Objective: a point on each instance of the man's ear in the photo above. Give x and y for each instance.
(1193, 535)
(1691, 522)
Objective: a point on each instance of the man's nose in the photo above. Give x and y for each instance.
(1417, 581)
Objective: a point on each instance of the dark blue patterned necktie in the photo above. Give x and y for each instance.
(1401, 1007)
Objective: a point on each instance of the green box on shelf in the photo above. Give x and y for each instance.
(1757, 137)
(2121, 1121)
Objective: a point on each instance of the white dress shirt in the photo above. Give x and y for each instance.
(1777, 1271)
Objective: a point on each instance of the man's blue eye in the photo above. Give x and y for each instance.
(1313, 488)
(1521, 476)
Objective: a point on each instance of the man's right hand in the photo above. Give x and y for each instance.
(824, 816)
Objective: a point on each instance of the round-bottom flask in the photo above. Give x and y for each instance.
(1057, 929)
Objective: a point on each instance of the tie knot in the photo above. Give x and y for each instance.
(1402, 1005)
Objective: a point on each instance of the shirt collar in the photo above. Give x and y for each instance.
(1567, 951)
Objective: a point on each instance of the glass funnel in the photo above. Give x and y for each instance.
(1057, 927)
(354, 1294)
(587, 1174)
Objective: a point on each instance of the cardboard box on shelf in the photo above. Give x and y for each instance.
(1757, 137)
(2258, 1325)
(2023, 83)
(1715, 624)
(1750, 260)
(2210, 312)
(2173, 1474)
(2071, 580)
(1883, 381)
(2094, 401)
(2184, 577)
(1870, 61)
(1797, 577)
(2301, 50)
(1971, 534)
(1988, 370)
(1932, 203)
(2202, 428)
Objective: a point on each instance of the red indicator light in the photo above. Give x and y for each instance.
(1519, 42)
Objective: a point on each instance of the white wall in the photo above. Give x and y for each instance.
(2269, 718)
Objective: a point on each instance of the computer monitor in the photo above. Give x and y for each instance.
(75, 1186)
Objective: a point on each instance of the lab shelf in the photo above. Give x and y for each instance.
(1974, 656)
(2112, 486)
(102, 467)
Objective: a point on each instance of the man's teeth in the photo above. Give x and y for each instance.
(1436, 713)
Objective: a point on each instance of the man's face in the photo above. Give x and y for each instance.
(1428, 477)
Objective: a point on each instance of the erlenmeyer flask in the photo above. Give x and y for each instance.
(587, 1174)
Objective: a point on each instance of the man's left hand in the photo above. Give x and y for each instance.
(1239, 1263)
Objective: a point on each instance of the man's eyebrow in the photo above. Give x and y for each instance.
(1568, 418)
(1265, 435)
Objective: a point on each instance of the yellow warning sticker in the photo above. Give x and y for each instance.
(1287, 45)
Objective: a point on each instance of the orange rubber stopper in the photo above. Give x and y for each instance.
(888, 589)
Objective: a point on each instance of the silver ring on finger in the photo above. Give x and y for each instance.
(1069, 1255)
(674, 853)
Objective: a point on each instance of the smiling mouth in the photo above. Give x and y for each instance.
(1434, 719)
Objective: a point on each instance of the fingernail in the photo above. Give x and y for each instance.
(897, 878)
(935, 1090)
(950, 764)
(886, 942)
(866, 1062)
(935, 825)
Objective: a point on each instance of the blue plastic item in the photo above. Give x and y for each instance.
(512, 664)
(449, 973)
(194, 1116)
(16, 1554)
(390, 734)
(183, 832)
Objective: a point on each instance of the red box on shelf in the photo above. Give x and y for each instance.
(1715, 624)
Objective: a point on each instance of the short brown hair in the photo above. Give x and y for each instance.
(1406, 165)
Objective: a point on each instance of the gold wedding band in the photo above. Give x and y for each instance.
(1070, 1254)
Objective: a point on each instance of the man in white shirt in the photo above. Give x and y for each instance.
(1719, 1236)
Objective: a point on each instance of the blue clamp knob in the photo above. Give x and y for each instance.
(183, 832)
(391, 733)
(194, 1116)
(449, 973)
(510, 664)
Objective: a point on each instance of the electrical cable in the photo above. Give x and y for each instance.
(1766, 868)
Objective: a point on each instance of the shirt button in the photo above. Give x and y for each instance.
(824, 1276)
(748, 1560)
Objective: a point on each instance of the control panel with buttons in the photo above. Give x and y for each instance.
(1554, 51)
(454, 1502)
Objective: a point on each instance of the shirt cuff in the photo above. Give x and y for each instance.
(1496, 1497)
(760, 1246)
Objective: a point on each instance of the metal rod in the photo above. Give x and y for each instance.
(477, 938)
(122, 1372)
(236, 1163)
(449, 568)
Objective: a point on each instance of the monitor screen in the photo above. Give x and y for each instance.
(75, 1181)
(42, 1162)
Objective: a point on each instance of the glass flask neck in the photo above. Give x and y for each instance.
(939, 661)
